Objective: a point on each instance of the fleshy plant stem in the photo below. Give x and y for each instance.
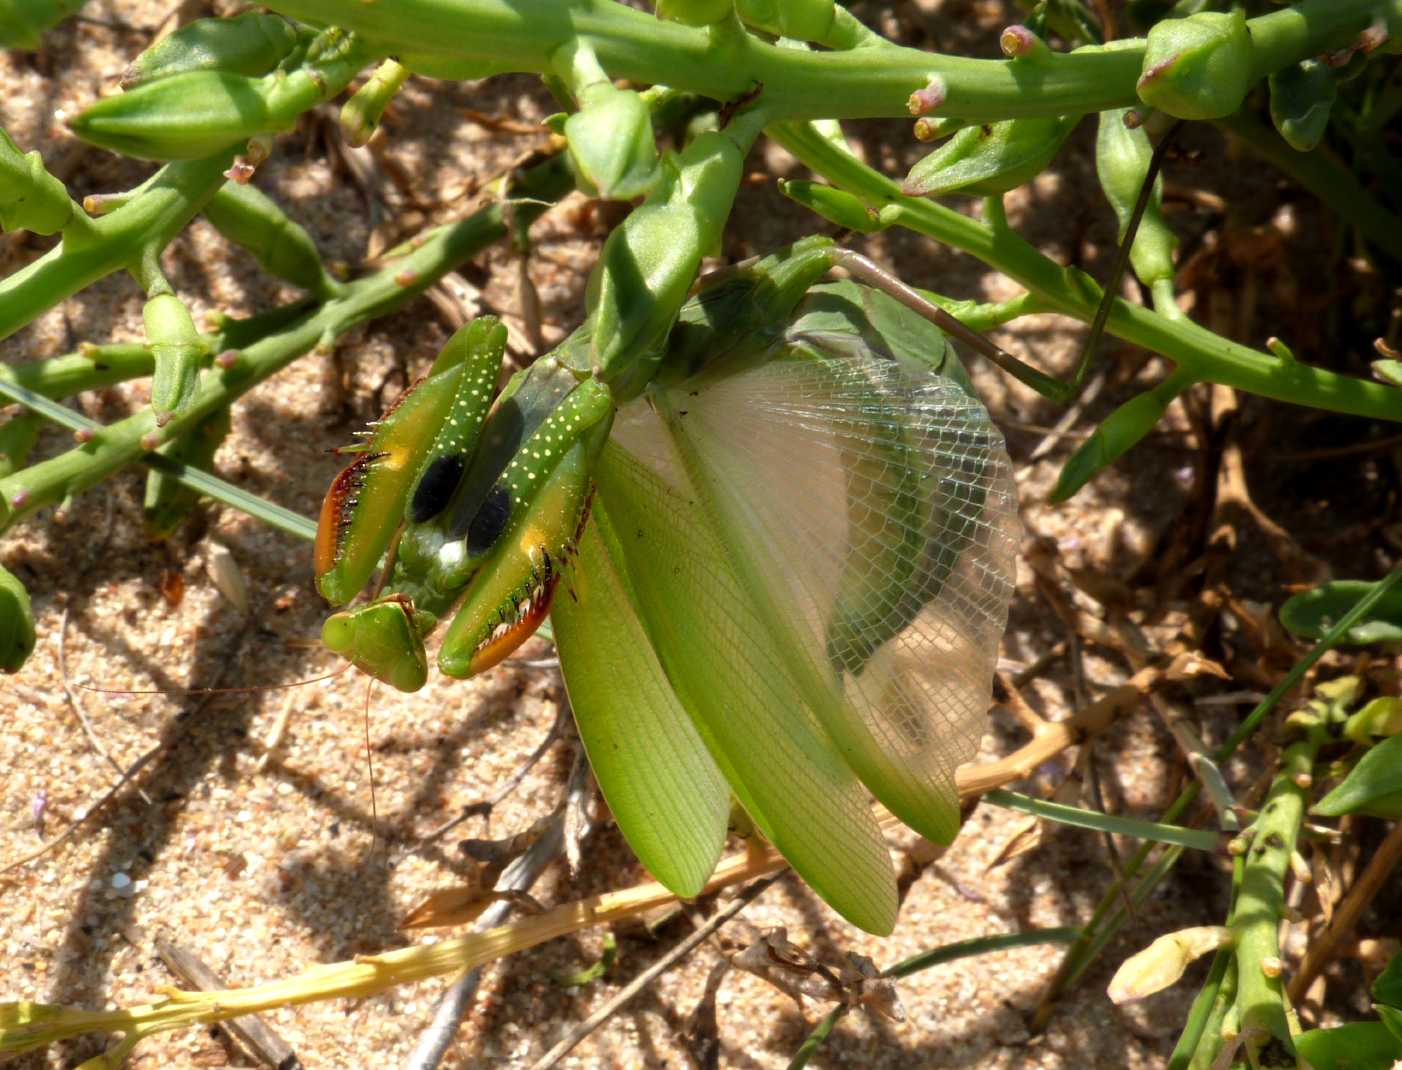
(132, 237)
(405, 276)
(491, 36)
(1204, 355)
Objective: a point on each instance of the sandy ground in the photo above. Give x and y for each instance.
(266, 864)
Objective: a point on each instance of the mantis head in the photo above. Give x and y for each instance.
(470, 503)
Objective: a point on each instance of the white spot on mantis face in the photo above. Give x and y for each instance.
(451, 554)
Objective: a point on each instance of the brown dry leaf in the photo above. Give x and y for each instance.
(702, 1033)
(448, 906)
(1190, 663)
(1026, 837)
(854, 982)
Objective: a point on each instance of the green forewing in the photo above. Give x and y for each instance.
(734, 679)
(666, 793)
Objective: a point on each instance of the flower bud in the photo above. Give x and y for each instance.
(177, 349)
(1162, 963)
(16, 623)
(1199, 67)
(250, 219)
(611, 144)
(361, 114)
(991, 158)
(1301, 97)
(30, 197)
(183, 117)
(202, 112)
(168, 502)
(1019, 42)
(251, 44)
(1122, 157)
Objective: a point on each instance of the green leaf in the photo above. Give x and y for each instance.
(1311, 613)
(16, 623)
(1381, 717)
(733, 679)
(1373, 786)
(1392, 1018)
(668, 797)
(1357, 1046)
(1387, 989)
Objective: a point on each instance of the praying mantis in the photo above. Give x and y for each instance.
(777, 561)
(770, 521)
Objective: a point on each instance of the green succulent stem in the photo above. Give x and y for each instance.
(1202, 1032)
(131, 237)
(1261, 904)
(1109, 914)
(989, 315)
(1194, 349)
(202, 482)
(90, 369)
(416, 267)
(855, 82)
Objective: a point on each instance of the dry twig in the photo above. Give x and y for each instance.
(666, 962)
(252, 1031)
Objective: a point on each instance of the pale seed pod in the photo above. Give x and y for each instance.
(1162, 963)
(226, 574)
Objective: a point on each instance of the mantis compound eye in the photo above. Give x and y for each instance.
(435, 488)
(490, 521)
(509, 595)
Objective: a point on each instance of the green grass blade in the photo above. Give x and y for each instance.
(1199, 839)
(272, 514)
(979, 945)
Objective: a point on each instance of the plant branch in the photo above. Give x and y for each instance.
(1195, 349)
(410, 270)
(141, 227)
(474, 38)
